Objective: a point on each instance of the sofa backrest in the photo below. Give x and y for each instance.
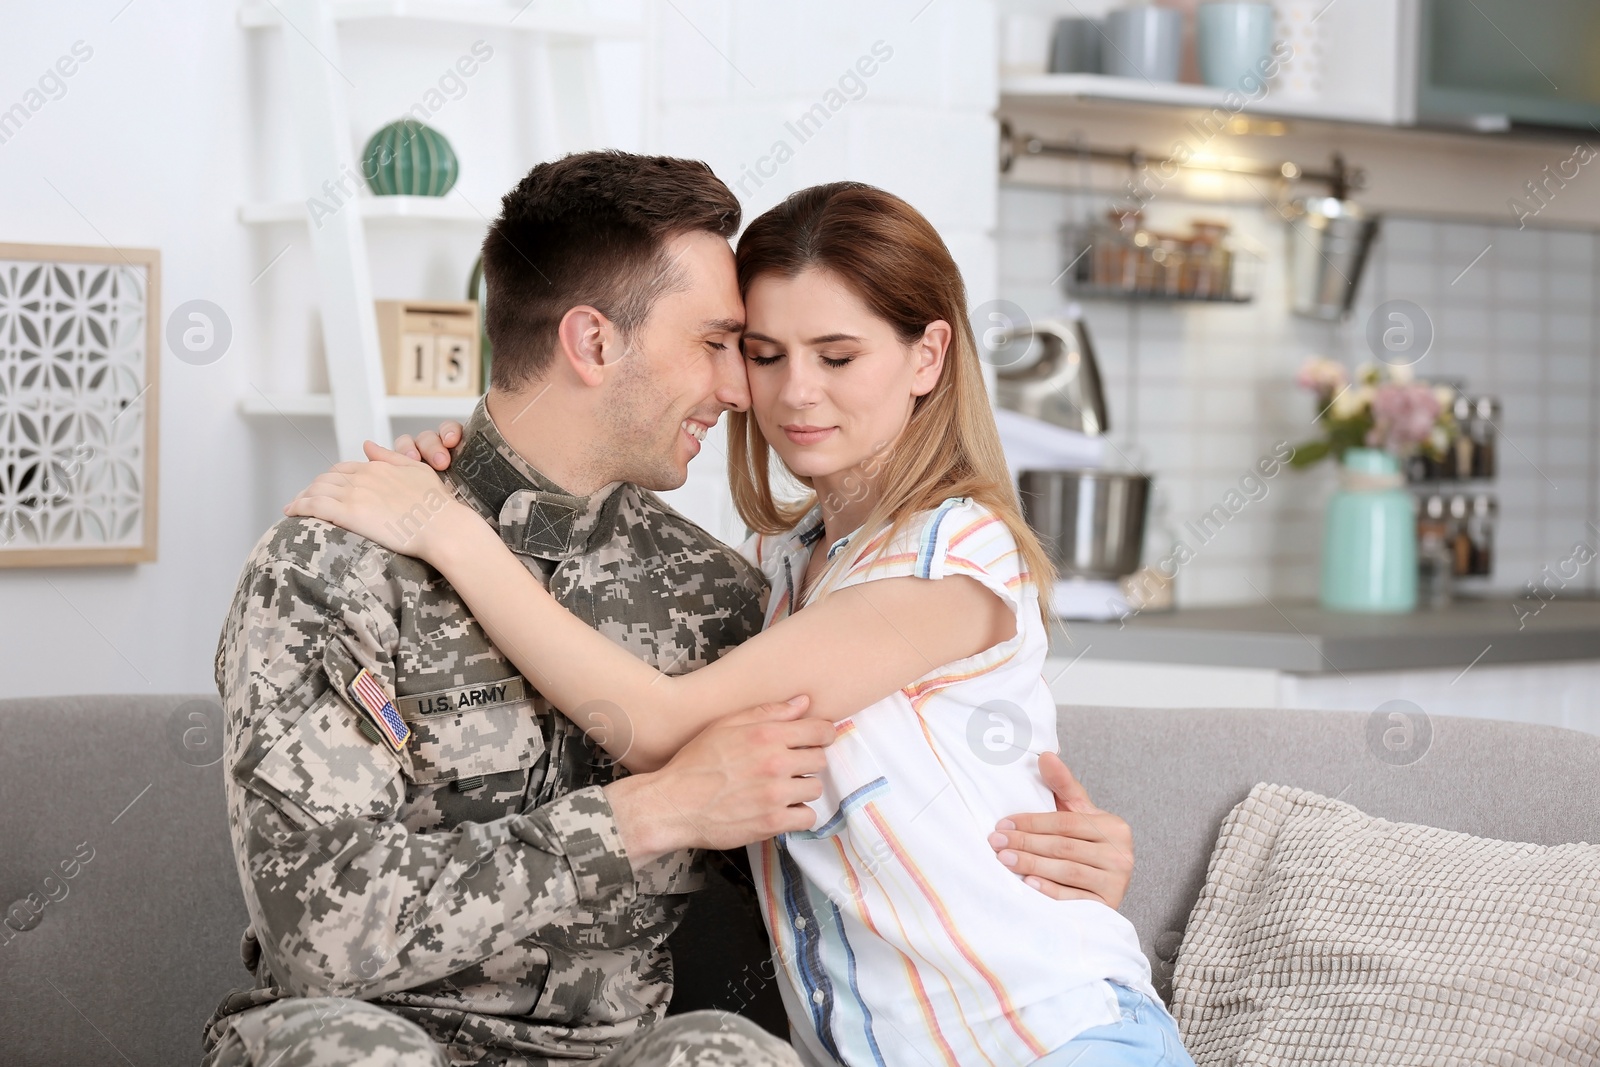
(130, 954)
(1174, 775)
(142, 941)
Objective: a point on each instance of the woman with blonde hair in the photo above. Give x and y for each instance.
(906, 604)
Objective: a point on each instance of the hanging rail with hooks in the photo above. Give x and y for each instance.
(1340, 178)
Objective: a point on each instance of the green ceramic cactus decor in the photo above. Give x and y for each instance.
(406, 158)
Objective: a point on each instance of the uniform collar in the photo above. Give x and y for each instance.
(535, 515)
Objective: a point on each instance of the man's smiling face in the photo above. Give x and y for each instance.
(682, 368)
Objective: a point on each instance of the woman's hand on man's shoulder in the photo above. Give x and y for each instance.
(431, 446)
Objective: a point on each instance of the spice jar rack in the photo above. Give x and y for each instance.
(1122, 259)
(1456, 511)
(1472, 452)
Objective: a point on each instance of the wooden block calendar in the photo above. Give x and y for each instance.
(430, 348)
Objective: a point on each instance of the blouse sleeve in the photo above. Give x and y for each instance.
(957, 537)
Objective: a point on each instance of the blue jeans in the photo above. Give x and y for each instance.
(1145, 1036)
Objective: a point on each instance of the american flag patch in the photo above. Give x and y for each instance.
(369, 694)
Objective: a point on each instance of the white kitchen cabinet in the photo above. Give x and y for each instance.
(1364, 52)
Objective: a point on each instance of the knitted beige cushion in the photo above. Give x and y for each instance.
(1327, 936)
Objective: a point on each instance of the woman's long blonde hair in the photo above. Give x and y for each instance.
(895, 262)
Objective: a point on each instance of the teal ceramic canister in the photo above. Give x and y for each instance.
(1231, 40)
(1369, 549)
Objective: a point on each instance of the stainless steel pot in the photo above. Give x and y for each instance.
(1090, 521)
(1328, 244)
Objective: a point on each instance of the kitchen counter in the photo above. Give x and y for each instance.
(1302, 638)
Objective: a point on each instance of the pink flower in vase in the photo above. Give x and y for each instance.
(1403, 416)
(1322, 376)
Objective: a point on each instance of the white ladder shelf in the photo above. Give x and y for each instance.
(357, 400)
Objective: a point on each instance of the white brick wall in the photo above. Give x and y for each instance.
(735, 77)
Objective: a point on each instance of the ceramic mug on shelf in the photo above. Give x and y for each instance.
(1231, 39)
(1142, 42)
(1075, 46)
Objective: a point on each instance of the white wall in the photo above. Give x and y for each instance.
(145, 149)
(737, 77)
(178, 118)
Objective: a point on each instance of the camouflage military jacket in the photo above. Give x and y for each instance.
(474, 881)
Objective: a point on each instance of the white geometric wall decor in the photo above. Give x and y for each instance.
(79, 351)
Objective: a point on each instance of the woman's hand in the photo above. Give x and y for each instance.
(431, 446)
(397, 502)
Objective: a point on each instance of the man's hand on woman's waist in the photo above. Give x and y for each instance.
(1077, 852)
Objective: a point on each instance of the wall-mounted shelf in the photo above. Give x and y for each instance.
(530, 18)
(320, 405)
(383, 208)
(1063, 88)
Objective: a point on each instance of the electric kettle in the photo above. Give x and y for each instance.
(1056, 379)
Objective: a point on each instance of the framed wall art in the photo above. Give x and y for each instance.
(79, 354)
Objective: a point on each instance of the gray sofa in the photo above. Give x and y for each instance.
(130, 953)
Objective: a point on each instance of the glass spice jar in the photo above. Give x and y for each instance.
(1458, 463)
(1480, 533)
(1435, 557)
(1460, 541)
(1481, 428)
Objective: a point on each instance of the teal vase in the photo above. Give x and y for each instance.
(406, 158)
(1369, 550)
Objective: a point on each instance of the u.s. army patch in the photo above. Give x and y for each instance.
(462, 698)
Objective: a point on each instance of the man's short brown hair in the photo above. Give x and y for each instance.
(590, 229)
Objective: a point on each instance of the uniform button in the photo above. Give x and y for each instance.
(818, 997)
(800, 923)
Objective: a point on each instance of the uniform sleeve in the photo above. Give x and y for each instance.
(344, 899)
(957, 537)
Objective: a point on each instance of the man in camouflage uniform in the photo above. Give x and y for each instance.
(478, 894)
(474, 882)
(478, 885)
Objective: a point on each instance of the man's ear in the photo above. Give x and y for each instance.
(587, 342)
(929, 352)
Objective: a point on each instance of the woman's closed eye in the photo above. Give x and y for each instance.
(767, 359)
